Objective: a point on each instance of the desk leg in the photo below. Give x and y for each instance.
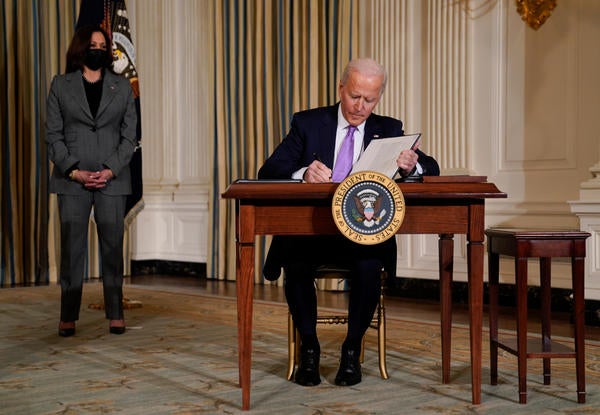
(446, 265)
(245, 296)
(475, 271)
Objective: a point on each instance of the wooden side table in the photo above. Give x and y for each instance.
(523, 244)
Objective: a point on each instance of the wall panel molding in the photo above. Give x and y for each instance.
(446, 89)
(423, 45)
(542, 69)
(174, 41)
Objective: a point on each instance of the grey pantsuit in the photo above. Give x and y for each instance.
(77, 139)
(74, 211)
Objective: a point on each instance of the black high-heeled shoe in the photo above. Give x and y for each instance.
(116, 327)
(65, 329)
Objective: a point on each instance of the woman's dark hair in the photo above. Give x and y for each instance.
(81, 43)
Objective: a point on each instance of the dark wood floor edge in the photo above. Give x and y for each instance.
(592, 313)
(562, 298)
(179, 268)
(414, 288)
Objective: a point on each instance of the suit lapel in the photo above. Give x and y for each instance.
(372, 130)
(327, 136)
(109, 90)
(77, 91)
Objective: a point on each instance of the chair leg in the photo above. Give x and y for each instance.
(292, 347)
(381, 340)
(362, 351)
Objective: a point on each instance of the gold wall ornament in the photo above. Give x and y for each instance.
(535, 12)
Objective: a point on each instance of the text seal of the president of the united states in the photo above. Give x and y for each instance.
(368, 207)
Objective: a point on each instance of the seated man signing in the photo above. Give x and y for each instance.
(321, 146)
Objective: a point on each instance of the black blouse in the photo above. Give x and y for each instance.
(93, 91)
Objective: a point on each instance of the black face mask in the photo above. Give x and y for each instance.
(95, 59)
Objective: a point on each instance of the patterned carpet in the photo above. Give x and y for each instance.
(179, 356)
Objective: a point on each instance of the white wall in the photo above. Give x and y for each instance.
(174, 41)
(496, 98)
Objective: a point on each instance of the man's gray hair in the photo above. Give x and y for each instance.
(365, 66)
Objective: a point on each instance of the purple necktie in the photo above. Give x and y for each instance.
(343, 164)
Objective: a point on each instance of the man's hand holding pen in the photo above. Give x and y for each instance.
(317, 172)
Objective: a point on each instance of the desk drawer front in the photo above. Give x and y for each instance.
(309, 220)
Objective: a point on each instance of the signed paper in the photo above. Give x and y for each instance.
(381, 154)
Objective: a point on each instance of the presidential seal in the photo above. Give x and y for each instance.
(368, 207)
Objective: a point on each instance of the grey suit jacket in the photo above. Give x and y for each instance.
(75, 138)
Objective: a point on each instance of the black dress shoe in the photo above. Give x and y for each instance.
(308, 369)
(349, 372)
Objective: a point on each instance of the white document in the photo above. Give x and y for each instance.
(381, 154)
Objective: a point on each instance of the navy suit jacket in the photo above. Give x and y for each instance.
(314, 132)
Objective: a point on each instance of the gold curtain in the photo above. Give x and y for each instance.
(35, 36)
(272, 58)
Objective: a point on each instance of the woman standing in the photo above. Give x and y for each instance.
(91, 136)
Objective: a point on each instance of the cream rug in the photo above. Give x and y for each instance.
(179, 356)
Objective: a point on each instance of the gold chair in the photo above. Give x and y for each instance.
(378, 323)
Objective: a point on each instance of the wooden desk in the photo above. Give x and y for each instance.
(443, 206)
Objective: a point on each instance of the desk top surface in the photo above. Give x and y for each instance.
(440, 188)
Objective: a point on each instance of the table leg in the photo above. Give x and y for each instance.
(493, 272)
(578, 276)
(475, 270)
(245, 293)
(446, 265)
(546, 314)
(245, 297)
(521, 276)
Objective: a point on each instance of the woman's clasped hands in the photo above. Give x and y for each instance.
(93, 179)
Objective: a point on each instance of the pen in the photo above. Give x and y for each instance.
(317, 158)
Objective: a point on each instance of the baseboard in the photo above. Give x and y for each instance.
(414, 288)
(561, 299)
(150, 267)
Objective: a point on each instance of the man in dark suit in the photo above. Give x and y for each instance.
(314, 151)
